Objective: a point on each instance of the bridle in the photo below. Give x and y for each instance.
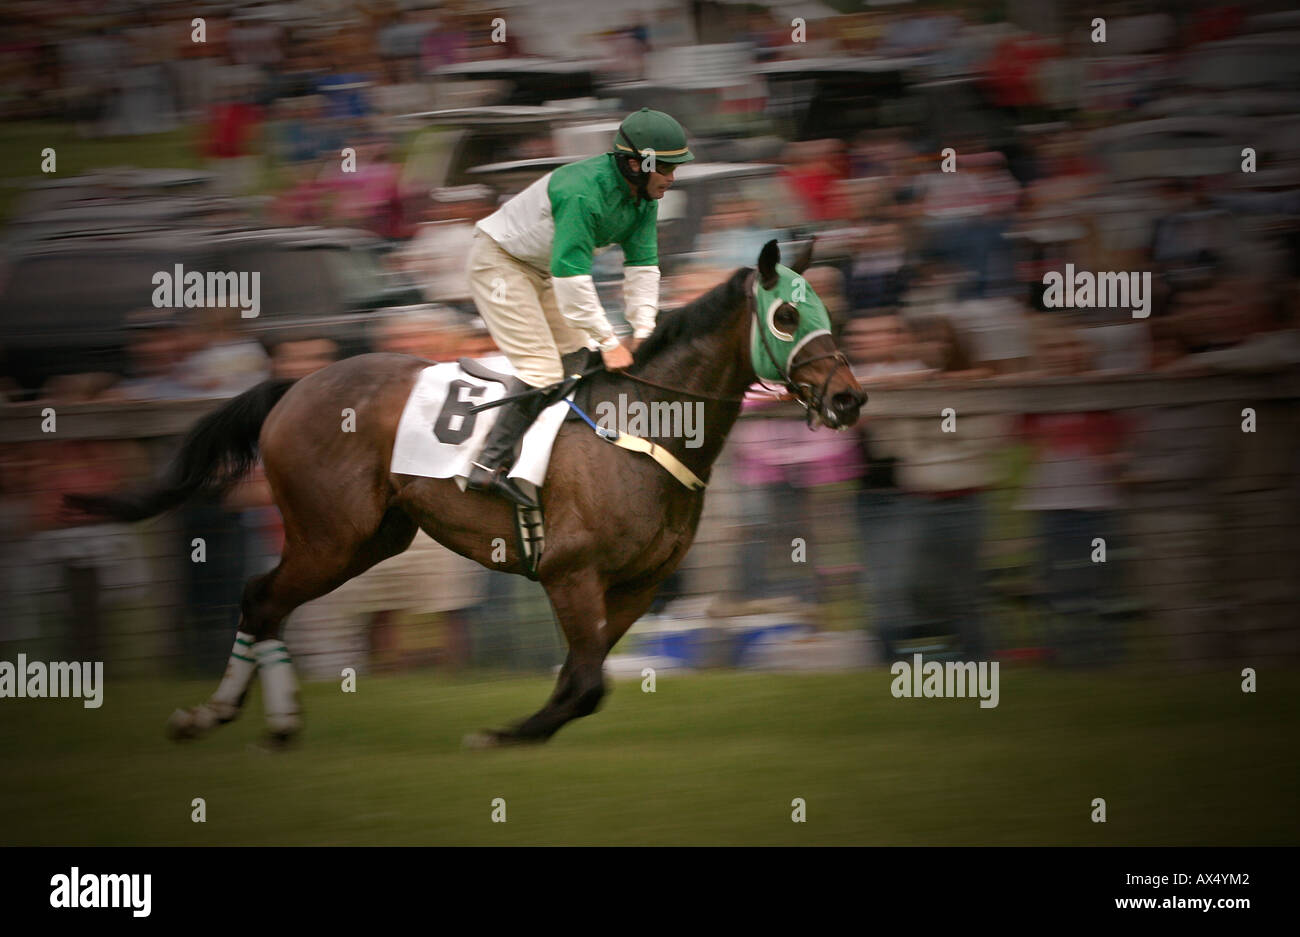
(811, 400)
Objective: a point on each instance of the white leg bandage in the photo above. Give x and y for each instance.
(279, 686)
(239, 674)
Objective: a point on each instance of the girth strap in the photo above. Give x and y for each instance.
(666, 459)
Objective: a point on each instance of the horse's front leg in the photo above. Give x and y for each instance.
(579, 602)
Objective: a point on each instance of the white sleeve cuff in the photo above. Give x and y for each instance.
(581, 308)
(641, 298)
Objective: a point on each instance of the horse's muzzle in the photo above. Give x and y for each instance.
(843, 408)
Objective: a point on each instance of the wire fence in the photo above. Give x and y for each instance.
(1140, 519)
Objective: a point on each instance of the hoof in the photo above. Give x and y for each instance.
(478, 741)
(187, 724)
(277, 741)
(499, 738)
(181, 726)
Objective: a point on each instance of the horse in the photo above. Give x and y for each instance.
(617, 523)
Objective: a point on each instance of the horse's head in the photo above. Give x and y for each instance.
(791, 342)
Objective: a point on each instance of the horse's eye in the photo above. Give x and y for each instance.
(786, 318)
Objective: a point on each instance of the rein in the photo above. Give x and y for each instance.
(788, 381)
(560, 390)
(679, 390)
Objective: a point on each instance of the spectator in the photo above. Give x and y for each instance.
(1190, 239)
(731, 236)
(435, 256)
(880, 352)
(877, 274)
(1252, 494)
(945, 475)
(965, 215)
(310, 200)
(444, 43)
(425, 333)
(811, 170)
(85, 561)
(296, 358)
(227, 362)
(382, 610)
(1073, 491)
(778, 465)
(156, 347)
(371, 196)
(231, 144)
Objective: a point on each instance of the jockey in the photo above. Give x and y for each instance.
(530, 272)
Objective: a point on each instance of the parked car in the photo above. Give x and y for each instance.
(527, 80)
(1170, 147)
(450, 142)
(64, 302)
(836, 97)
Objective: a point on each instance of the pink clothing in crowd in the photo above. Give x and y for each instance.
(769, 451)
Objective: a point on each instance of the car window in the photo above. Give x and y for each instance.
(360, 276)
(1273, 67)
(294, 282)
(72, 293)
(1154, 156)
(771, 195)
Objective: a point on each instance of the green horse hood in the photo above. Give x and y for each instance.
(772, 348)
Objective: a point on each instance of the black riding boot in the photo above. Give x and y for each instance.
(489, 470)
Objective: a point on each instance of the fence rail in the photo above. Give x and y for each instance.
(1205, 562)
(153, 419)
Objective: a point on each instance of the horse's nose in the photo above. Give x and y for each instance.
(846, 404)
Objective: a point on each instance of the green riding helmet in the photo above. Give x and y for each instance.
(652, 130)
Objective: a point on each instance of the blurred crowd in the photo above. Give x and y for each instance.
(929, 276)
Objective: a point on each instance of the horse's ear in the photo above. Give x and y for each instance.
(768, 258)
(805, 256)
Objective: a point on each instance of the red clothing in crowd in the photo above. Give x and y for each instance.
(1012, 75)
(1221, 22)
(91, 467)
(814, 189)
(232, 129)
(1095, 433)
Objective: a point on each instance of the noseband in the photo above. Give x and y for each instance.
(812, 401)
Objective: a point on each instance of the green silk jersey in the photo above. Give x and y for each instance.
(557, 224)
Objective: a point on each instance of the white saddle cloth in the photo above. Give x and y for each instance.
(437, 438)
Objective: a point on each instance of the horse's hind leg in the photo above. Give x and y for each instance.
(303, 573)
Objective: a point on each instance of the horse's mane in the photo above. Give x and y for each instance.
(701, 316)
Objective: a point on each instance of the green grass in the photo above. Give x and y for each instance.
(710, 759)
(21, 143)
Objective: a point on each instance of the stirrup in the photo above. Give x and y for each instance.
(499, 482)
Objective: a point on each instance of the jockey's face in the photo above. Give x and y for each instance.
(660, 180)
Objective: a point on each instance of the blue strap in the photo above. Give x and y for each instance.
(606, 433)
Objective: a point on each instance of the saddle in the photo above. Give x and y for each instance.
(575, 362)
(530, 529)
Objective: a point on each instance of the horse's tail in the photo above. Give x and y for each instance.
(217, 452)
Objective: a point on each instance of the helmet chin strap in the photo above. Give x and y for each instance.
(638, 178)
